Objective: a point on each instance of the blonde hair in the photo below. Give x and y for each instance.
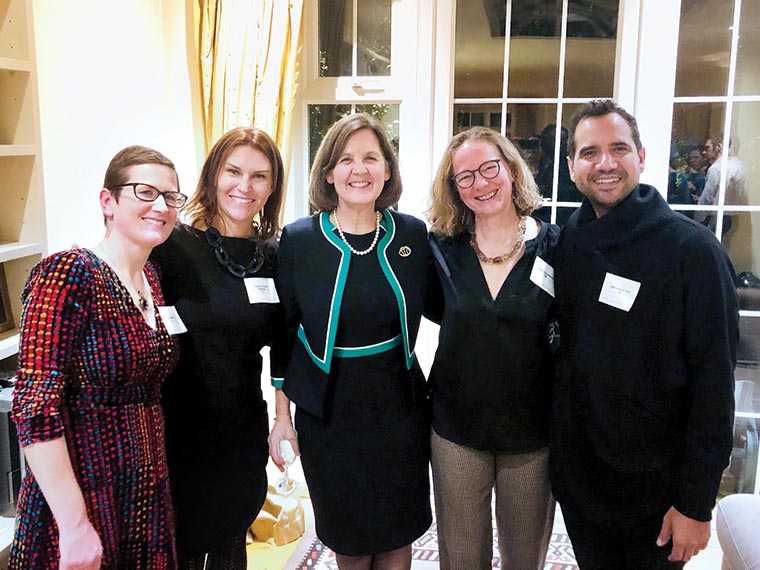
(447, 214)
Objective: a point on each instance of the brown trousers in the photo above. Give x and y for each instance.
(464, 480)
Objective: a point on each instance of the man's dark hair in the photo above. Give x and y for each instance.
(600, 108)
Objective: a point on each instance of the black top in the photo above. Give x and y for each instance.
(365, 317)
(216, 419)
(643, 403)
(493, 369)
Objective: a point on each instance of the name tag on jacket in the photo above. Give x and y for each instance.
(172, 321)
(542, 275)
(619, 292)
(261, 290)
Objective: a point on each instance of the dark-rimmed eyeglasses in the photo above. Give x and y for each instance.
(148, 193)
(489, 169)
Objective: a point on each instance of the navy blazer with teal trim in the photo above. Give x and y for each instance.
(312, 270)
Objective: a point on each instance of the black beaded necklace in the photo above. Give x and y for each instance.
(214, 239)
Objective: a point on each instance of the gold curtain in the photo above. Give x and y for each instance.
(248, 59)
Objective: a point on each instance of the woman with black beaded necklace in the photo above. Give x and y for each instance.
(353, 280)
(217, 272)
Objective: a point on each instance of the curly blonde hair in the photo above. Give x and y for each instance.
(447, 214)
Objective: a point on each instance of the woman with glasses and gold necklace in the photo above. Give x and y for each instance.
(92, 354)
(353, 281)
(492, 373)
(217, 272)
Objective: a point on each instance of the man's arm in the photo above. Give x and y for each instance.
(709, 194)
(711, 333)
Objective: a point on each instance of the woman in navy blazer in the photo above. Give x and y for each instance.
(353, 279)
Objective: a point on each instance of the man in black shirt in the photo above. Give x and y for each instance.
(643, 402)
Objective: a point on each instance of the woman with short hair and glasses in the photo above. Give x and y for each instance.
(92, 354)
(492, 373)
(217, 272)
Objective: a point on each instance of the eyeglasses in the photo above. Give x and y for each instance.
(488, 170)
(148, 193)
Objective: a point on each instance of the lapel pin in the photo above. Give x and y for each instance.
(405, 251)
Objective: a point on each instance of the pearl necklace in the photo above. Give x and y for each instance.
(505, 256)
(343, 237)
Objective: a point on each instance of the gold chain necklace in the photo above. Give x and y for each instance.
(505, 256)
(378, 216)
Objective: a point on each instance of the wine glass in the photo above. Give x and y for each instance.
(285, 485)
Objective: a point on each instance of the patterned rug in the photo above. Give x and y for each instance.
(311, 554)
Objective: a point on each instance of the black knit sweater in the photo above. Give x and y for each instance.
(643, 402)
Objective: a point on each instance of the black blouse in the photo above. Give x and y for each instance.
(492, 373)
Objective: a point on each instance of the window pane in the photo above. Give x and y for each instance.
(335, 37)
(479, 48)
(744, 155)
(748, 349)
(563, 214)
(321, 117)
(527, 121)
(748, 62)
(481, 115)
(388, 115)
(568, 109)
(693, 126)
(741, 238)
(534, 49)
(374, 37)
(741, 473)
(704, 42)
(591, 48)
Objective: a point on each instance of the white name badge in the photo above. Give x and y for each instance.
(619, 292)
(542, 275)
(172, 322)
(261, 290)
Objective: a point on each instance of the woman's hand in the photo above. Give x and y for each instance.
(282, 430)
(80, 547)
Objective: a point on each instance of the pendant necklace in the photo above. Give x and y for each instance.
(140, 299)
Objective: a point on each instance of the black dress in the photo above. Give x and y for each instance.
(366, 461)
(216, 418)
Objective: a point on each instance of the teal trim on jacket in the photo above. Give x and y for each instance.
(313, 269)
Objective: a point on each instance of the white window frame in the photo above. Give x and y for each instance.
(412, 36)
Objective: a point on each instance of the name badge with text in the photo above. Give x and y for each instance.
(172, 322)
(542, 275)
(261, 290)
(619, 292)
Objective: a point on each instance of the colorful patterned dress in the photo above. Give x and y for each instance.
(90, 370)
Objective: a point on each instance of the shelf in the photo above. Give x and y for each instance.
(14, 35)
(18, 150)
(13, 64)
(8, 343)
(16, 107)
(17, 249)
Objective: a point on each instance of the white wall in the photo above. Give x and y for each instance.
(111, 74)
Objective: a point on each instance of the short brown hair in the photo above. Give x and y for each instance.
(203, 206)
(448, 215)
(131, 156)
(600, 108)
(321, 193)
